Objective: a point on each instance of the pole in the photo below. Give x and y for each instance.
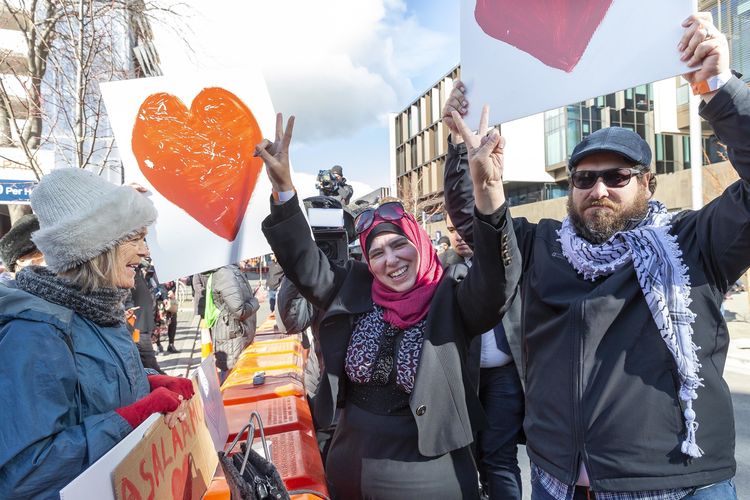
(80, 116)
(696, 143)
(696, 153)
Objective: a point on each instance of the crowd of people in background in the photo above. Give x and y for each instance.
(598, 340)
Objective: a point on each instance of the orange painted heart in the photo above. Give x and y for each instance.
(182, 483)
(556, 32)
(200, 159)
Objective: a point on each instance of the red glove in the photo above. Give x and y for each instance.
(180, 385)
(161, 400)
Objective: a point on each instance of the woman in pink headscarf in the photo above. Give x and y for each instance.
(394, 334)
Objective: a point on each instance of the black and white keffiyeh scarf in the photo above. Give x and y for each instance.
(657, 259)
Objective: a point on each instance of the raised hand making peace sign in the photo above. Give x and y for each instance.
(276, 155)
(485, 151)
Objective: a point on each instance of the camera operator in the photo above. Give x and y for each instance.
(333, 183)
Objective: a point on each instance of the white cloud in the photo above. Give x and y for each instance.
(338, 65)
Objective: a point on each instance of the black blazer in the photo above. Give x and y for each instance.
(444, 404)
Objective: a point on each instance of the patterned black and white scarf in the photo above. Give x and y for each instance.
(657, 259)
(370, 356)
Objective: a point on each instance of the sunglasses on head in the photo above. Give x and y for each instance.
(612, 177)
(391, 211)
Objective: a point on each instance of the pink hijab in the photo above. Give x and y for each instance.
(405, 309)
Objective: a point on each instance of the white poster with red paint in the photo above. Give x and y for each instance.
(190, 142)
(525, 57)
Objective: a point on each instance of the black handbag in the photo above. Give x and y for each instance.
(249, 475)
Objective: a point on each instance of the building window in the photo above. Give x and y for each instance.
(667, 157)
(521, 195)
(554, 131)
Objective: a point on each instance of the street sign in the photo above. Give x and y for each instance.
(13, 191)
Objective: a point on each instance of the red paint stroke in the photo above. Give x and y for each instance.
(200, 159)
(182, 481)
(556, 32)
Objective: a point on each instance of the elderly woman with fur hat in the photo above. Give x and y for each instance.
(72, 383)
(393, 333)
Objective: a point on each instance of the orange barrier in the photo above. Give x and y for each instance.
(271, 336)
(278, 415)
(288, 360)
(274, 346)
(242, 374)
(276, 387)
(268, 330)
(283, 408)
(296, 457)
(218, 489)
(276, 364)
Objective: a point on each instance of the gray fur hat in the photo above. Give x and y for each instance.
(82, 215)
(17, 242)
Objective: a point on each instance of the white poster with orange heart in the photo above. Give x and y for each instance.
(190, 143)
(525, 57)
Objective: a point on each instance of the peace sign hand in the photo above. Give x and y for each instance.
(485, 151)
(276, 155)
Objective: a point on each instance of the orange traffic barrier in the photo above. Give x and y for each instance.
(241, 390)
(296, 456)
(218, 489)
(271, 335)
(295, 373)
(286, 361)
(274, 346)
(244, 373)
(278, 415)
(268, 326)
(268, 330)
(283, 407)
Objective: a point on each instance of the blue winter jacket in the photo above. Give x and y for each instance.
(61, 378)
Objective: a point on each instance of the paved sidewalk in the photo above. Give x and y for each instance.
(188, 339)
(187, 342)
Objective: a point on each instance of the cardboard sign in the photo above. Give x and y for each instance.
(176, 463)
(98, 477)
(213, 404)
(525, 57)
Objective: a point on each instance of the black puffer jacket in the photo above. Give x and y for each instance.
(601, 385)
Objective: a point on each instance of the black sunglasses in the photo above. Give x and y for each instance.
(393, 210)
(612, 177)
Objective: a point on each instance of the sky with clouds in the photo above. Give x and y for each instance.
(339, 65)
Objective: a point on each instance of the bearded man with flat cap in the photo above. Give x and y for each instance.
(622, 339)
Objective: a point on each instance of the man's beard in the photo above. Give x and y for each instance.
(603, 224)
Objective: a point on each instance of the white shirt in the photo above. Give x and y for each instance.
(491, 356)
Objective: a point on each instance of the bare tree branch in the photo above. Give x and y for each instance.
(71, 45)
